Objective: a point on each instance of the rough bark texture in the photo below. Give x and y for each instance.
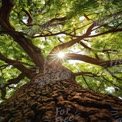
(60, 101)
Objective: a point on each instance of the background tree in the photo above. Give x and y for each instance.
(34, 33)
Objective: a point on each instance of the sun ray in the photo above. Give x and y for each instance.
(61, 55)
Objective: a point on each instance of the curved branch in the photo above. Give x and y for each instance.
(87, 59)
(29, 17)
(34, 52)
(72, 42)
(11, 81)
(15, 80)
(5, 10)
(18, 65)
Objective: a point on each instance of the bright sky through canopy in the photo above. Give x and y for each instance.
(61, 55)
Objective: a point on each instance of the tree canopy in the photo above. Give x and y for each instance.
(87, 32)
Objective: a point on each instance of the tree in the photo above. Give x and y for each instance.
(39, 85)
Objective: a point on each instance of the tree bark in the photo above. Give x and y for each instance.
(60, 101)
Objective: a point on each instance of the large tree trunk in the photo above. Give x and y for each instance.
(60, 101)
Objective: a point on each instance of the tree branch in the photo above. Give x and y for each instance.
(90, 74)
(11, 81)
(72, 42)
(106, 32)
(112, 74)
(102, 20)
(5, 10)
(18, 65)
(87, 59)
(15, 80)
(34, 52)
(54, 20)
(84, 45)
(29, 16)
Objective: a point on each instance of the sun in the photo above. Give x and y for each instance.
(61, 55)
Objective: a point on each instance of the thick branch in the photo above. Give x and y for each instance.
(33, 51)
(12, 81)
(18, 65)
(72, 42)
(87, 59)
(5, 10)
(91, 60)
(15, 80)
(30, 49)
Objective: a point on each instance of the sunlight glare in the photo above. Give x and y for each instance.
(61, 55)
